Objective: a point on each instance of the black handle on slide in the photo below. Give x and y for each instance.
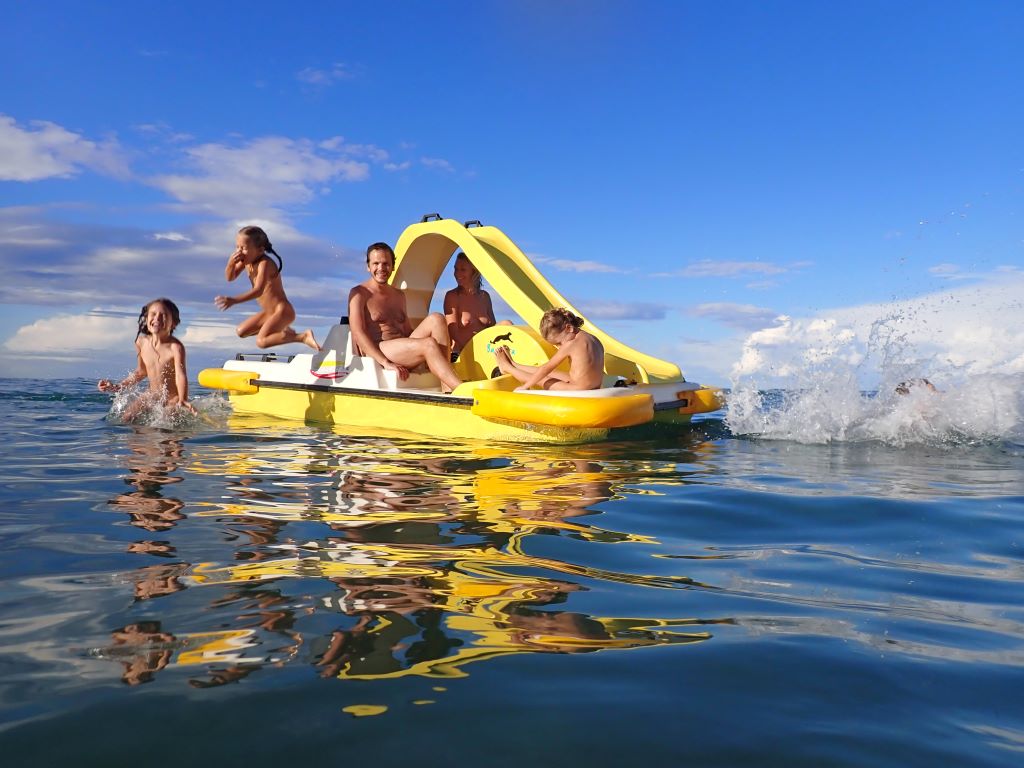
(472, 223)
(428, 216)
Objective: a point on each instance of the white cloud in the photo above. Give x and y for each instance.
(324, 77)
(174, 237)
(47, 150)
(746, 317)
(260, 176)
(438, 163)
(75, 335)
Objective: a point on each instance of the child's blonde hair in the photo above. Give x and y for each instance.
(169, 305)
(557, 320)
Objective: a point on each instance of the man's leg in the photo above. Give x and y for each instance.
(412, 352)
(434, 326)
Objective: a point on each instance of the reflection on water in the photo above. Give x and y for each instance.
(257, 555)
(376, 557)
(414, 557)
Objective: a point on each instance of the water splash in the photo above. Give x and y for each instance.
(130, 406)
(823, 398)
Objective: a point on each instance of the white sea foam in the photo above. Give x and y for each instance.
(210, 410)
(823, 398)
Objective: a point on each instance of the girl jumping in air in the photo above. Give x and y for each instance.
(272, 324)
(586, 356)
(161, 360)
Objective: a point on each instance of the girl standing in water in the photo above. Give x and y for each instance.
(272, 324)
(161, 359)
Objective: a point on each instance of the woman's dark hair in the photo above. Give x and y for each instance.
(380, 247)
(556, 320)
(169, 305)
(260, 240)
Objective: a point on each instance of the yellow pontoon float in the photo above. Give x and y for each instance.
(336, 386)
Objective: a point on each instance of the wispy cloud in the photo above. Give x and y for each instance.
(437, 163)
(734, 269)
(260, 176)
(323, 77)
(50, 262)
(746, 317)
(570, 265)
(45, 150)
(621, 310)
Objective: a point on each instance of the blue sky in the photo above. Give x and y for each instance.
(725, 185)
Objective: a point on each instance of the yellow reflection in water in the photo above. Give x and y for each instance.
(421, 554)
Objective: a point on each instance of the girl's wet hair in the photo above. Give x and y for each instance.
(259, 238)
(477, 278)
(557, 320)
(169, 305)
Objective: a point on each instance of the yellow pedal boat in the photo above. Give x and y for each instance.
(336, 386)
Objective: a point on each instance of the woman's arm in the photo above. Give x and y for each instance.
(488, 309)
(451, 312)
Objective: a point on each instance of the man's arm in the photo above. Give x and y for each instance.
(364, 340)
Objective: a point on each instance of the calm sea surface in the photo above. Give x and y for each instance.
(243, 591)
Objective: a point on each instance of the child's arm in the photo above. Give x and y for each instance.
(180, 375)
(259, 285)
(234, 266)
(106, 385)
(542, 372)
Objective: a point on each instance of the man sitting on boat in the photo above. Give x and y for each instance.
(381, 328)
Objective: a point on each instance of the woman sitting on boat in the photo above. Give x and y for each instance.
(467, 307)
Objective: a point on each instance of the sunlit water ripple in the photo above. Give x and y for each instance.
(240, 590)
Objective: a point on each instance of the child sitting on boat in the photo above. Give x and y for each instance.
(161, 359)
(272, 324)
(586, 356)
(467, 307)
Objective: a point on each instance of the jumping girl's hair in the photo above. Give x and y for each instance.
(169, 305)
(477, 279)
(260, 240)
(556, 320)
(380, 247)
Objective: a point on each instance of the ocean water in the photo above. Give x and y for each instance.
(813, 578)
